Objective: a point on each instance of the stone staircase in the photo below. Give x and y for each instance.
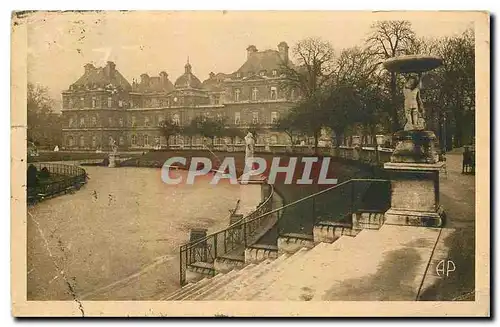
(385, 264)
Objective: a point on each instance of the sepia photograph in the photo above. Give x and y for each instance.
(205, 163)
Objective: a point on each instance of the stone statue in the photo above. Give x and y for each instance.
(414, 109)
(114, 147)
(249, 149)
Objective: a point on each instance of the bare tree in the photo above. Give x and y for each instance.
(313, 71)
(314, 66)
(389, 39)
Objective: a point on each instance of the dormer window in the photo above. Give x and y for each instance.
(238, 75)
(275, 73)
(262, 73)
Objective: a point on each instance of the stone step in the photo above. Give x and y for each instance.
(199, 285)
(268, 278)
(313, 260)
(364, 268)
(246, 280)
(212, 287)
(184, 289)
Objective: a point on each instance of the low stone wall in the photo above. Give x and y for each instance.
(291, 243)
(258, 253)
(329, 232)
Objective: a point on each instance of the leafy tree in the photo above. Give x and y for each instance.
(209, 127)
(169, 128)
(289, 125)
(44, 125)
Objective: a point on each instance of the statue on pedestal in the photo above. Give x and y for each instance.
(249, 150)
(414, 109)
(113, 145)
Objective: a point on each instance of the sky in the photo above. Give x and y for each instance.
(60, 44)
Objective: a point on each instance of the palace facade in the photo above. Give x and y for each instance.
(102, 105)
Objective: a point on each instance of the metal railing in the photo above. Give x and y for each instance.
(230, 241)
(61, 178)
(334, 204)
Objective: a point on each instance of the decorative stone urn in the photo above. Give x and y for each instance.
(414, 167)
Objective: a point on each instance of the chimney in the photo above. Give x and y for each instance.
(145, 79)
(283, 50)
(251, 50)
(110, 69)
(163, 78)
(211, 75)
(88, 68)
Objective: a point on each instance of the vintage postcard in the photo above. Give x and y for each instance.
(250, 163)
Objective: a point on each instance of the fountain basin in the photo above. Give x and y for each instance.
(412, 64)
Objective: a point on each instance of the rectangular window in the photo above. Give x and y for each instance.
(237, 118)
(255, 117)
(216, 99)
(160, 119)
(275, 73)
(93, 102)
(146, 121)
(82, 102)
(120, 103)
(133, 140)
(120, 121)
(110, 121)
(176, 119)
(82, 122)
(274, 93)
(133, 121)
(237, 95)
(94, 121)
(255, 92)
(70, 123)
(274, 117)
(110, 102)
(146, 140)
(121, 140)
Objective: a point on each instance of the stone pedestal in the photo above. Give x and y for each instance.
(112, 160)
(415, 194)
(415, 147)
